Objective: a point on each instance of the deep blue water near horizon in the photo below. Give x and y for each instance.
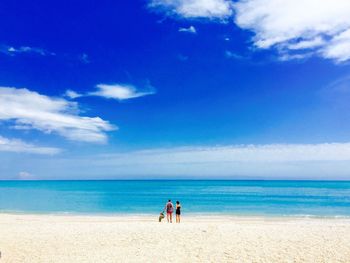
(267, 198)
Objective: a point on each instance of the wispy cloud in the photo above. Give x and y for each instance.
(212, 9)
(326, 160)
(273, 161)
(340, 87)
(31, 110)
(12, 51)
(72, 94)
(84, 58)
(22, 50)
(335, 97)
(190, 29)
(286, 56)
(15, 145)
(233, 55)
(241, 153)
(115, 91)
(25, 176)
(182, 57)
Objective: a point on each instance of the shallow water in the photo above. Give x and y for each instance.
(272, 198)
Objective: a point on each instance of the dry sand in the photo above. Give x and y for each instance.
(56, 238)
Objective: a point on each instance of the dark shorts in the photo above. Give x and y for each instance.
(178, 212)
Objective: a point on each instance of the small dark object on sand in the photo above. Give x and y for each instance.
(161, 216)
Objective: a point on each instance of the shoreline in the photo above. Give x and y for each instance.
(184, 215)
(184, 218)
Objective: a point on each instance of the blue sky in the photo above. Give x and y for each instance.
(175, 89)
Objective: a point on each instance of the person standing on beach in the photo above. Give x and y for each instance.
(178, 211)
(169, 208)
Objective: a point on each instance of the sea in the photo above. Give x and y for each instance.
(197, 197)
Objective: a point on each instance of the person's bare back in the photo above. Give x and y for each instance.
(169, 208)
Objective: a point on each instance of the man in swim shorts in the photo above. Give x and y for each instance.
(169, 208)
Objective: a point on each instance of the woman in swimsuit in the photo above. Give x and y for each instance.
(178, 211)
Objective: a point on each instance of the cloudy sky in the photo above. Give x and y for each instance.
(150, 89)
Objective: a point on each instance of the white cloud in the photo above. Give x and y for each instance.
(296, 29)
(31, 110)
(72, 94)
(25, 176)
(322, 27)
(339, 47)
(212, 9)
(113, 91)
(10, 50)
(119, 91)
(15, 145)
(190, 29)
(316, 42)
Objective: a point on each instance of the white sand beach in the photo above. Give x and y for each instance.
(57, 238)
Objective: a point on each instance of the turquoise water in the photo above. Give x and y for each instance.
(274, 198)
